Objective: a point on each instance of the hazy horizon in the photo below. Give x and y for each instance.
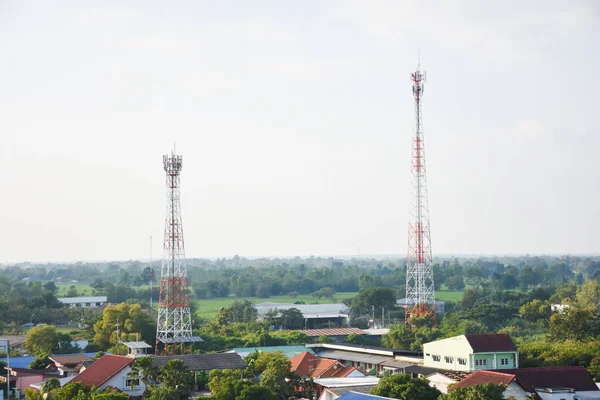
(295, 123)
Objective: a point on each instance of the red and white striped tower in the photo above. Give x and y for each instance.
(174, 322)
(420, 292)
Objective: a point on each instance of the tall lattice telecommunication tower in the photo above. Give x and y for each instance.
(420, 292)
(174, 322)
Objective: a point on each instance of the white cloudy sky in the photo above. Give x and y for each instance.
(295, 123)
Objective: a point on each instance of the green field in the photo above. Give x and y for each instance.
(208, 308)
(448, 296)
(63, 288)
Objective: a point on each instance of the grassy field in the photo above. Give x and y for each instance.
(448, 296)
(208, 308)
(63, 288)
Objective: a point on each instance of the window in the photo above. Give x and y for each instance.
(427, 354)
(481, 361)
(87, 304)
(436, 358)
(462, 361)
(132, 382)
(504, 361)
(449, 360)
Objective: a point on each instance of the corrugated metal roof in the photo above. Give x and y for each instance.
(137, 345)
(396, 364)
(289, 351)
(308, 310)
(350, 356)
(341, 382)
(205, 362)
(186, 339)
(333, 332)
(73, 300)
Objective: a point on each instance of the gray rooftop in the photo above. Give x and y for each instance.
(137, 345)
(74, 300)
(204, 362)
(183, 339)
(308, 310)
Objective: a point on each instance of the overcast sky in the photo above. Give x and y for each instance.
(294, 119)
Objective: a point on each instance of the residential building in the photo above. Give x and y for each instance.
(471, 353)
(111, 370)
(333, 388)
(513, 389)
(21, 378)
(83, 302)
(310, 365)
(552, 383)
(443, 379)
(137, 349)
(315, 315)
(371, 360)
(69, 364)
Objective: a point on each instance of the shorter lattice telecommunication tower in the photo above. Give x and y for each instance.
(420, 292)
(174, 322)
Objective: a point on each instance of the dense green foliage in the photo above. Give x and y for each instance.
(489, 391)
(402, 386)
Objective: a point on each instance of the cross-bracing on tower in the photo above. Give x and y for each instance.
(174, 322)
(420, 293)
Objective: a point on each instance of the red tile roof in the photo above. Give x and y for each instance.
(483, 377)
(307, 364)
(304, 363)
(333, 332)
(343, 372)
(491, 342)
(103, 369)
(576, 378)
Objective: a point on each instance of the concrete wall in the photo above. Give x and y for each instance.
(455, 347)
(515, 392)
(118, 381)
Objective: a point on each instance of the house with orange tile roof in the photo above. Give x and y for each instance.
(310, 365)
(549, 383)
(111, 370)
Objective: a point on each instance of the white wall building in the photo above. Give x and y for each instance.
(83, 302)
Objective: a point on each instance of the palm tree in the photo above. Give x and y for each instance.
(144, 370)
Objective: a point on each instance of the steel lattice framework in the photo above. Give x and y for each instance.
(420, 292)
(174, 322)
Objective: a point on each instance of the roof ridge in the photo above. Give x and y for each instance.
(494, 372)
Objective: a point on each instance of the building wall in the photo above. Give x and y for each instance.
(441, 382)
(569, 396)
(515, 392)
(327, 395)
(118, 381)
(489, 360)
(23, 381)
(454, 347)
